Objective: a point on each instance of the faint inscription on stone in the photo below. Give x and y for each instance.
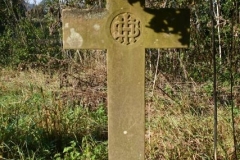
(126, 28)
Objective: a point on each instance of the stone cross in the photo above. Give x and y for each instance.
(125, 28)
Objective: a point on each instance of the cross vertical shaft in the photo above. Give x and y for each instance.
(126, 104)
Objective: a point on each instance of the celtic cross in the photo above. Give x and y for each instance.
(125, 30)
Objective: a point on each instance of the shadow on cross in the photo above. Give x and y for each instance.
(169, 20)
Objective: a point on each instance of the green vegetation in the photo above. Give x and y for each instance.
(40, 120)
(53, 101)
(37, 124)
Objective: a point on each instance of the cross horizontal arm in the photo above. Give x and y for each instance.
(84, 29)
(166, 28)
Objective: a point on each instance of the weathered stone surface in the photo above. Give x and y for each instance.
(125, 31)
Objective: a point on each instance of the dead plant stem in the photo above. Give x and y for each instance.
(214, 79)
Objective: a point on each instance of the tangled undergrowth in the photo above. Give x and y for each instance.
(61, 113)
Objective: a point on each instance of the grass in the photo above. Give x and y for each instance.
(187, 136)
(42, 119)
(36, 123)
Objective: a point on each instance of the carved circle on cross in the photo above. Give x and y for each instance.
(126, 28)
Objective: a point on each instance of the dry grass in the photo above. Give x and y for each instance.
(62, 109)
(38, 120)
(180, 122)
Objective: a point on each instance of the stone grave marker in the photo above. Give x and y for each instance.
(125, 28)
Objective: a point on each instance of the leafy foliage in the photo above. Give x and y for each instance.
(27, 33)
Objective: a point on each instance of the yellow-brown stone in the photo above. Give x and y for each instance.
(125, 31)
